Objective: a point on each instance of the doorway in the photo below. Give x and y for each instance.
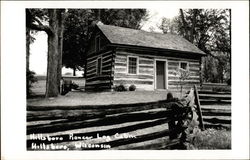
(161, 75)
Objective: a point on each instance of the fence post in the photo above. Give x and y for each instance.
(171, 127)
(197, 103)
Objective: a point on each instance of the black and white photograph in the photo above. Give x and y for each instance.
(129, 79)
(141, 78)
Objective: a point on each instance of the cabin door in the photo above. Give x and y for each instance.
(160, 75)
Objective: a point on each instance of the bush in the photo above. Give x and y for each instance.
(30, 79)
(132, 88)
(120, 88)
(211, 139)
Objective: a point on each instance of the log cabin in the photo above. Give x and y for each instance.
(148, 60)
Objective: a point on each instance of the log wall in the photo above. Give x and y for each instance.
(145, 78)
(103, 43)
(193, 79)
(104, 80)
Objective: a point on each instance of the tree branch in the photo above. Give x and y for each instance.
(44, 28)
(38, 21)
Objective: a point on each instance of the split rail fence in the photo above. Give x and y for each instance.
(123, 126)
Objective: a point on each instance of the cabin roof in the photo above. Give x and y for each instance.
(127, 36)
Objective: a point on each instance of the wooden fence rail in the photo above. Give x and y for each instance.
(216, 108)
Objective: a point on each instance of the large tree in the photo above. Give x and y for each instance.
(55, 39)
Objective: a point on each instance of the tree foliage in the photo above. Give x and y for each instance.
(79, 26)
(209, 30)
(168, 25)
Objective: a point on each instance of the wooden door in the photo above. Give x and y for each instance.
(160, 75)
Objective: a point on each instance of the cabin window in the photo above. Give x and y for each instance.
(99, 66)
(132, 65)
(184, 66)
(97, 43)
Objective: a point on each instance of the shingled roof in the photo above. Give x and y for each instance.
(126, 36)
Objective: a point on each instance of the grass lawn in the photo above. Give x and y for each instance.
(76, 98)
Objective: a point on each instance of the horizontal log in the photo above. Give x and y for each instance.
(82, 114)
(215, 102)
(146, 71)
(120, 70)
(151, 105)
(216, 93)
(194, 69)
(91, 70)
(100, 78)
(133, 82)
(173, 63)
(107, 55)
(191, 65)
(146, 66)
(176, 78)
(215, 96)
(194, 73)
(226, 118)
(110, 131)
(92, 61)
(173, 68)
(88, 75)
(217, 126)
(66, 125)
(217, 120)
(186, 82)
(178, 59)
(109, 61)
(121, 54)
(144, 61)
(140, 76)
(92, 58)
(120, 64)
(158, 143)
(91, 67)
(215, 113)
(121, 59)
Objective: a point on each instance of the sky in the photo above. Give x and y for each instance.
(38, 49)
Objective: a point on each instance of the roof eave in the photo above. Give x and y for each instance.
(156, 49)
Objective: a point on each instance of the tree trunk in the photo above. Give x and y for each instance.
(193, 25)
(60, 16)
(184, 25)
(74, 71)
(230, 60)
(52, 68)
(27, 49)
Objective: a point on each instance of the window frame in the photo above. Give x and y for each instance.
(137, 65)
(97, 48)
(97, 64)
(187, 69)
